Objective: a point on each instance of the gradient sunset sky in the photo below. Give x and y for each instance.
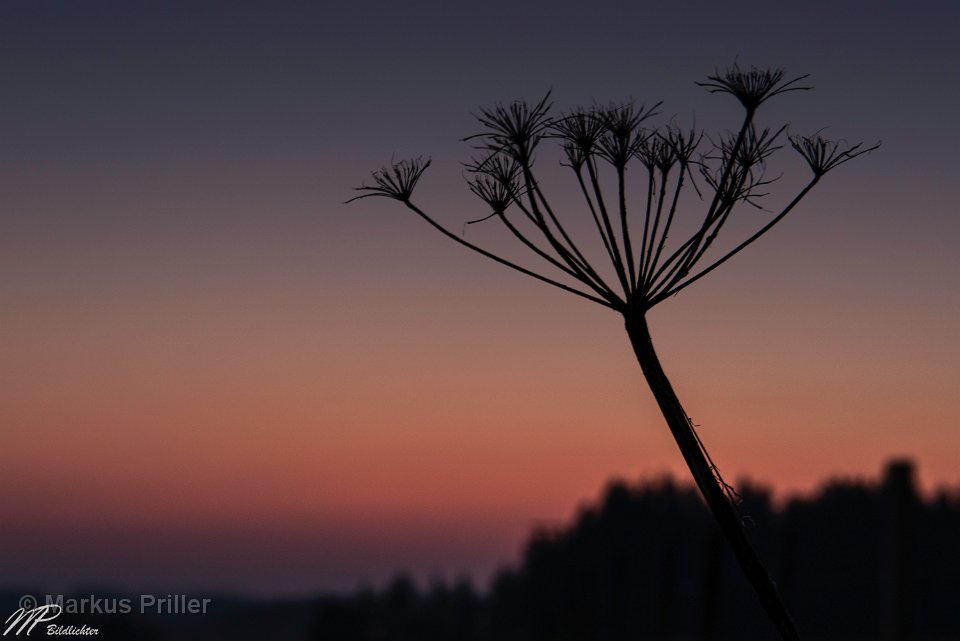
(213, 374)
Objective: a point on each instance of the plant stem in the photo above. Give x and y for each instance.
(703, 474)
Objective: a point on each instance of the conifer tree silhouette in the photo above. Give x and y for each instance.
(649, 266)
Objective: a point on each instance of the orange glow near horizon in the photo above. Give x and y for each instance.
(340, 415)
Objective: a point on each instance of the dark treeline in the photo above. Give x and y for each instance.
(860, 561)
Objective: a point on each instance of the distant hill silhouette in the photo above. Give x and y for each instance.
(859, 561)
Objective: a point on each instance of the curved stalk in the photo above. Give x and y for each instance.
(709, 484)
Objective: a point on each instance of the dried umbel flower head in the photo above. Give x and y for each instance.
(647, 254)
(823, 155)
(580, 130)
(736, 169)
(683, 144)
(514, 129)
(575, 156)
(622, 135)
(752, 87)
(396, 181)
(657, 152)
(496, 181)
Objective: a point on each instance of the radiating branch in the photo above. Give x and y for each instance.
(736, 250)
(497, 181)
(618, 304)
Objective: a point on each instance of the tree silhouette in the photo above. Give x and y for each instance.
(649, 266)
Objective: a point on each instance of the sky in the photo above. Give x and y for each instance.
(216, 375)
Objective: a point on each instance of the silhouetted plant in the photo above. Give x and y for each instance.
(649, 265)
